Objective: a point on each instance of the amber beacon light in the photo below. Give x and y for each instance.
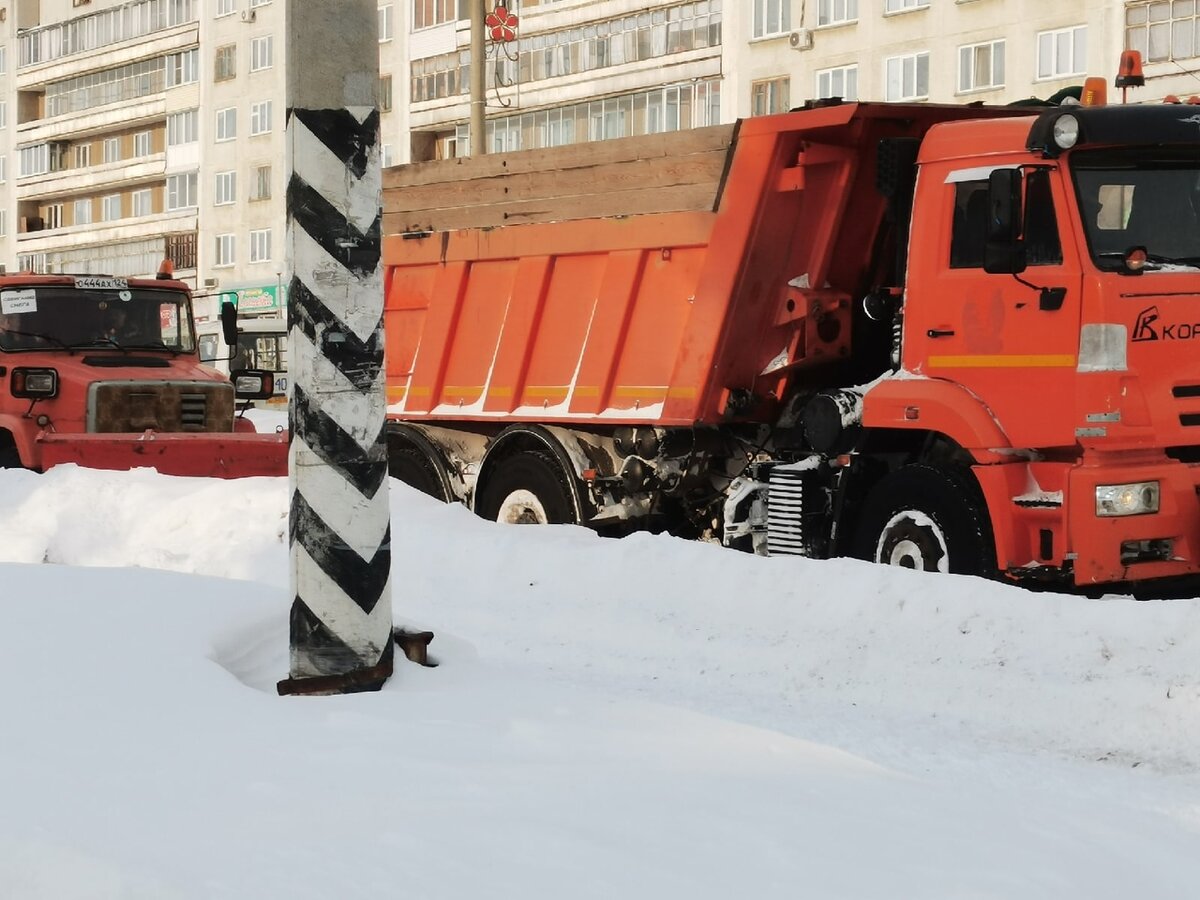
(1129, 72)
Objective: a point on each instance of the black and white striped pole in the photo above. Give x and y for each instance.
(340, 530)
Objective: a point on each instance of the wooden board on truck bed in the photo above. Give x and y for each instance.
(676, 172)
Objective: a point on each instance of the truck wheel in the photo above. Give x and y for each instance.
(528, 488)
(414, 465)
(927, 518)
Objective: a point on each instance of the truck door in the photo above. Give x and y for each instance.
(999, 336)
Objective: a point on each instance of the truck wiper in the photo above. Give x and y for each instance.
(154, 345)
(100, 341)
(49, 338)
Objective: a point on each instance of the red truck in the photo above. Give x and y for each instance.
(957, 339)
(104, 372)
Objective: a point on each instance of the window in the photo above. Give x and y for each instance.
(901, 5)
(981, 66)
(260, 245)
(425, 14)
(1062, 52)
(254, 3)
(261, 52)
(3, 113)
(260, 117)
(83, 212)
(183, 67)
(112, 150)
(110, 207)
(142, 203)
(769, 96)
(3, 169)
(225, 64)
(385, 21)
(143, 144)
(33, 160)
(183, 127)
(385, 155)
(1163, 30)
(226, 7)
(53, 215)
(3, 222)
(385, 93)
(969, 232)
(771, 17)
(226, 189)
(226, 248)
(834, 12)
(182, 190)
(260, 183)
(227, 123)
(3, 60)
(83, 155)
(907, 77)
(838, 82)
(182, 249)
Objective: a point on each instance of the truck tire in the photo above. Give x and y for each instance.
(528, 487)
(927, 518)
(418, 467)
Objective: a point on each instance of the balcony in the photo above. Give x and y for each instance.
(106, 176)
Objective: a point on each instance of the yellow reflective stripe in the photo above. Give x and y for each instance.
(1004, 361)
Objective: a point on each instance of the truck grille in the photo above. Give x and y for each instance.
(169, 406)
(1187, 392)
(192, 411)
(785, 514)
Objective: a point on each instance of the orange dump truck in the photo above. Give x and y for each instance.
(950, 338)
(104, 372)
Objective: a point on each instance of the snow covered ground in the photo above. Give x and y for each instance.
(643, 718)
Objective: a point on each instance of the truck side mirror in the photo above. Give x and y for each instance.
(1005, 251)
(229, 324)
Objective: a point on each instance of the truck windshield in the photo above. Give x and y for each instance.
(1149, 200)
(73, 318)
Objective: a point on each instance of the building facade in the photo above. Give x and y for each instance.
(131, 130)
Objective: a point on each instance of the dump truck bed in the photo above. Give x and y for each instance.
(663, 279)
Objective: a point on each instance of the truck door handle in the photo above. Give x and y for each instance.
(940, 332)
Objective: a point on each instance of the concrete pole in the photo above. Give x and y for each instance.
(340, 530)
(478, 82)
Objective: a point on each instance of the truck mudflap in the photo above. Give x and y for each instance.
(239, 455)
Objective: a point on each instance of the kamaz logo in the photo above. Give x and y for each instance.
(1148, 329)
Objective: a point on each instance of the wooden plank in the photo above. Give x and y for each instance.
(650, 146)
(675, 198)
(642, 174)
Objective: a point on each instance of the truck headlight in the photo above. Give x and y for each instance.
(36, 383)
(1137, 499)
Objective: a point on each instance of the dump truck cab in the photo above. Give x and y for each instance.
(1051, 312)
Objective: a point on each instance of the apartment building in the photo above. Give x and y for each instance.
(94, 178)
(578, 70)
(131, 130)
(954, 51)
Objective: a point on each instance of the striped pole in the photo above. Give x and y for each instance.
(340, 531)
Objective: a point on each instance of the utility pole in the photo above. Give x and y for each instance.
(340, 530)
(478, 82)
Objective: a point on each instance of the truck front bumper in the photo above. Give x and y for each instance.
(208, 455)
(1139, 548)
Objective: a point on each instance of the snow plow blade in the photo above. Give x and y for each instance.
(238, 455)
